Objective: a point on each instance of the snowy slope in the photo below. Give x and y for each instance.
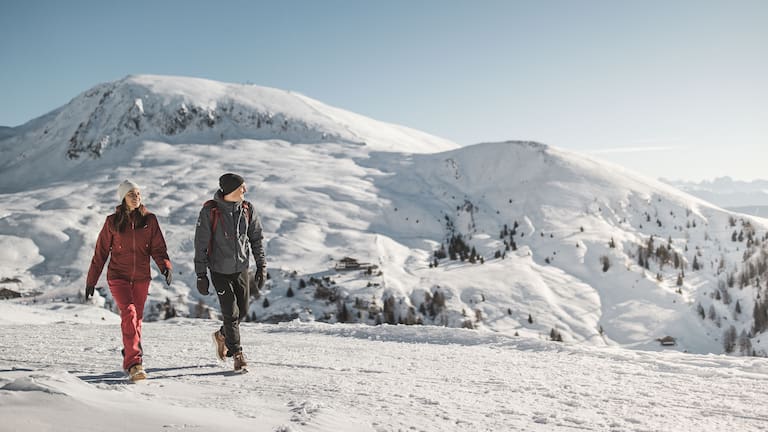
(569, 208)
(336, 378)
(392, 202)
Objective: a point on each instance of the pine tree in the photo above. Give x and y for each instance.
(438, 302)
(389, 310)
(729, 339)
(344, 313)
(700, 310)
(744, 343)
(760, 317)
(712, 314)
(606, 262)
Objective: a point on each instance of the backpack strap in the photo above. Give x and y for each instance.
(211, 204)
(247, 208)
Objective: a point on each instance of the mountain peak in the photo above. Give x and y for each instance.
(182, 110)
(177, 108)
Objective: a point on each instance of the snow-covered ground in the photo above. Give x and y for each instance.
(59, 371)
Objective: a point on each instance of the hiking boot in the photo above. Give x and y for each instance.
(136, 372)
(240, 363)
(221, 347)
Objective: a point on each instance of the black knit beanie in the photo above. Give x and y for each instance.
(229, 182)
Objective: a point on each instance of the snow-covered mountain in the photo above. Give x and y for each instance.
(109, 120)
(516, 237)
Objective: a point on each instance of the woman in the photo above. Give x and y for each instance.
(130, 235)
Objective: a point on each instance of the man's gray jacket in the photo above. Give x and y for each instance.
(237, 233)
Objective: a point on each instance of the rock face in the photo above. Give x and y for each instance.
(127, 110)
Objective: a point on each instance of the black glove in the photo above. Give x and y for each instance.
(261, 277)
(168, 276)
(89, 291)
(202, 283)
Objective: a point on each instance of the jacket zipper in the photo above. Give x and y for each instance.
(133, 251)
(236, 229)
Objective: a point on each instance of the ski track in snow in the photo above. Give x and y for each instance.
(319, 377)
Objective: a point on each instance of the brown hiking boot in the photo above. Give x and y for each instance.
(221, 347)
(136, 372)
(240, 363)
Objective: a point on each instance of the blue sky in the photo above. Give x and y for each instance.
(675, 89)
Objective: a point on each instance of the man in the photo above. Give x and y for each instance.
(228, 229)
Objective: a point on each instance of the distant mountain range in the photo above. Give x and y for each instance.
(5, 131)
(741, 196)
(377, 223)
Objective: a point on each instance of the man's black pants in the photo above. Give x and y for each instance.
(234, 294)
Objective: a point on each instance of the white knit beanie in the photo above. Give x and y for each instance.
(125, 187)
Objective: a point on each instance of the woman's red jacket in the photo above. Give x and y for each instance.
(130, 251)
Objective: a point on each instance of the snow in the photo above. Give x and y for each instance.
(329, 184)
(322, 199)
(322, 377)
(336, 197)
